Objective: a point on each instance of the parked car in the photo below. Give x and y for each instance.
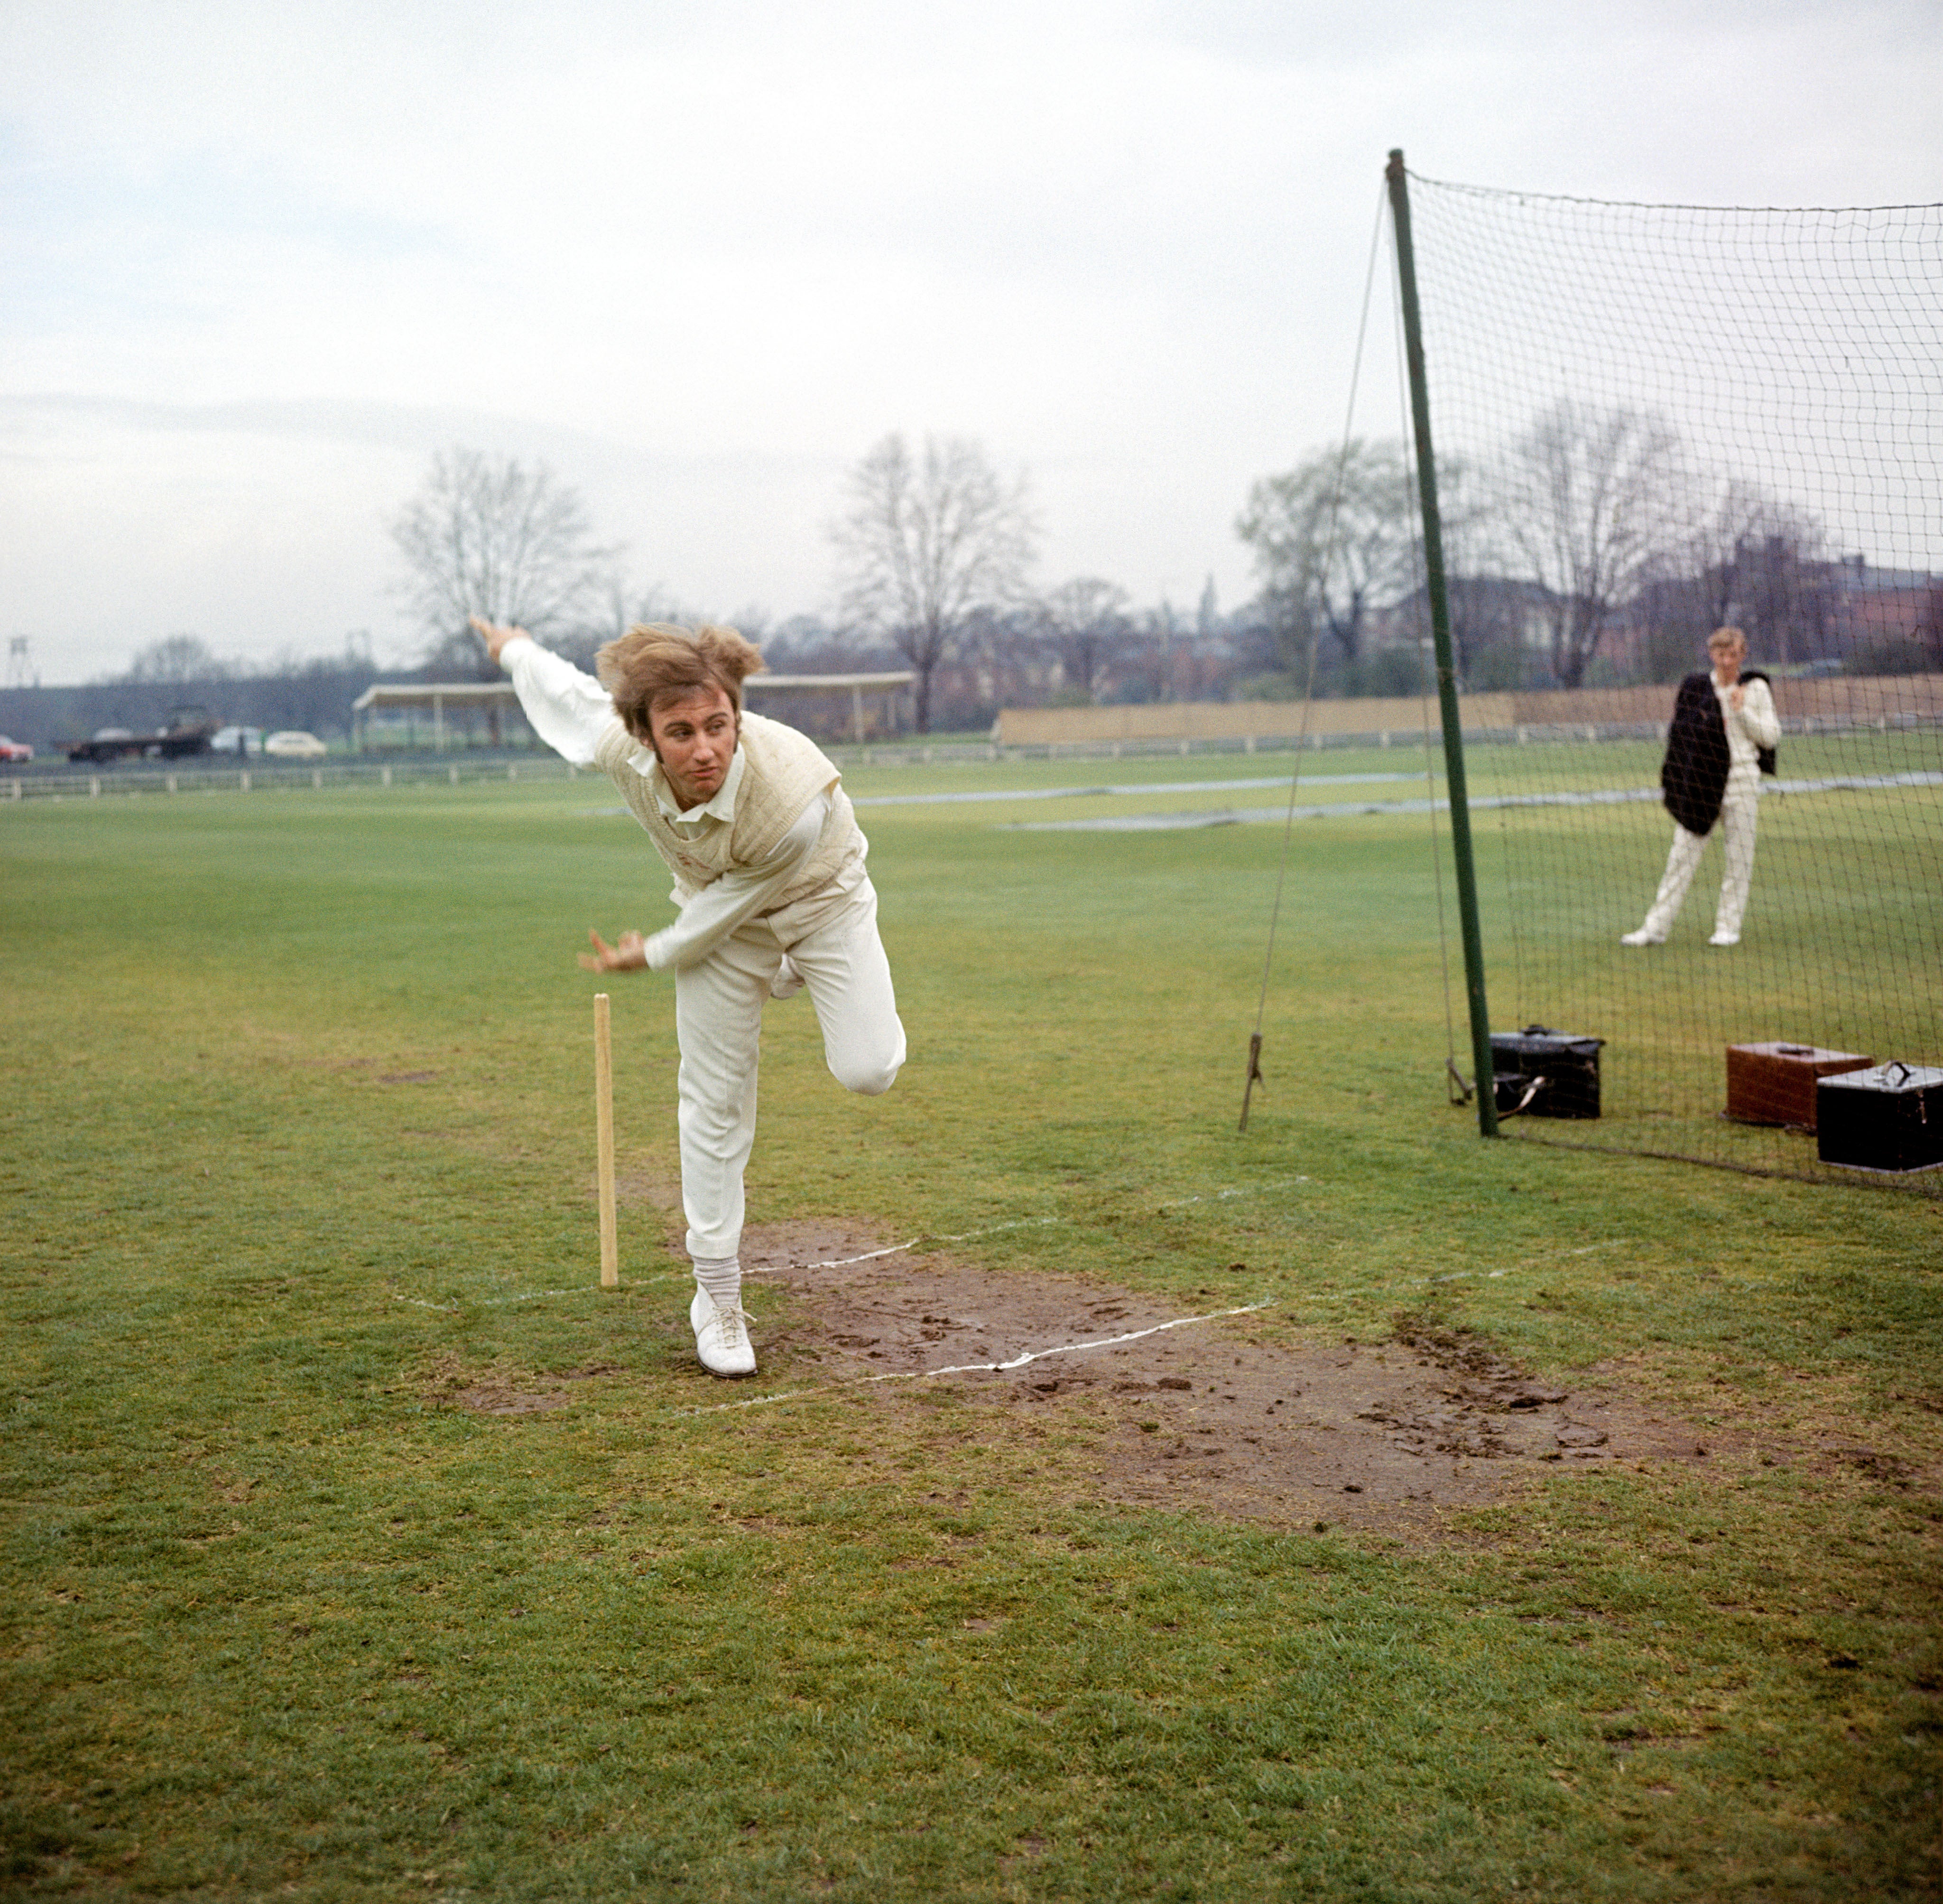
(237, 740)
(14, 750)
(294, 744)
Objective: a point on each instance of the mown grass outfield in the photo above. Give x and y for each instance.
(281, 1622)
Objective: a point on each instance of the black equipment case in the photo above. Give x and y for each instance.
(1890, 1118)
(1546, 1074)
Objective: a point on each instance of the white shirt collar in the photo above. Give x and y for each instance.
(721, 806)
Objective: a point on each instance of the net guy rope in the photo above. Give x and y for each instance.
(1019, 1361)
(1330, 549)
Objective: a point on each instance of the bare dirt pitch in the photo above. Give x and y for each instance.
(1207, 1417)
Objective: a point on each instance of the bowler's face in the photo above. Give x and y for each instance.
(695, 740)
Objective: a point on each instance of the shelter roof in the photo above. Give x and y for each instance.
(434, 694)
(902, 678)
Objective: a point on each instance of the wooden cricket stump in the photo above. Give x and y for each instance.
(603, 1142)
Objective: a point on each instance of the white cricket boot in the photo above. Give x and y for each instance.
(1646, 936)
(721, 1336)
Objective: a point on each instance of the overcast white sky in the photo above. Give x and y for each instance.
(261, 261)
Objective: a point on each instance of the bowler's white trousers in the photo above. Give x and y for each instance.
(1738, 807)
(718, 1017)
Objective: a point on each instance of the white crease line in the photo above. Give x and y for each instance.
(897, 1249)
(971, 1368)
(529, 1295)
(1538, 1262)
(1023, 1223)
(754, 1269)
(1466, 1276)
(1222, 1196)
(843, 1262)
(837, 1262)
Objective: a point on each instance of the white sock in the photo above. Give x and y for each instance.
(721, 1278)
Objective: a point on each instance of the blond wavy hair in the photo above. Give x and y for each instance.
(656, 662)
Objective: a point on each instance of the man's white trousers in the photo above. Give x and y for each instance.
(718, 1016)
(1738, 806)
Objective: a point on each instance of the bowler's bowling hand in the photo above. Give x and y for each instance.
(1734, 698)
(494, 636)
(629, 952)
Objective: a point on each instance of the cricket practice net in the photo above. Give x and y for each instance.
(1650, 422)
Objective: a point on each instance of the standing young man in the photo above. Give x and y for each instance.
(1723, 735)
(768, 862)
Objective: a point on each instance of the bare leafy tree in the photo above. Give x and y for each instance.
(494, 538)
(1332, 540)
(176, 658)
(1740, 511)
(613, 606)
(1926, 634)
(1087, 622)
(1751, 559)
(1769, 573)
(928, 543)
(1694, 592)
(1594, 503)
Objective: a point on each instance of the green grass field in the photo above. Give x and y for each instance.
(299, 1105)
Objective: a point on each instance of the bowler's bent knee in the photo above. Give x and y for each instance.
(867, 1080)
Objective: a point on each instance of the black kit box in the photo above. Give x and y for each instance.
(1890, 1118)
(1546, 1074)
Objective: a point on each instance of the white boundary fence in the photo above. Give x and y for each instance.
(189, 779)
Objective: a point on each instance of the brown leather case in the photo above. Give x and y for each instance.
(1775, 1083)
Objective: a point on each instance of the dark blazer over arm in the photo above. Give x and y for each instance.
(1693, 776)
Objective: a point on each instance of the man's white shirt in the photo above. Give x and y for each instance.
(571, 711)
(1751, 726)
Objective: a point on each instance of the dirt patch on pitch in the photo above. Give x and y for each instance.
(1207, 1414)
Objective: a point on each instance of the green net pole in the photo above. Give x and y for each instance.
(1446, 672)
